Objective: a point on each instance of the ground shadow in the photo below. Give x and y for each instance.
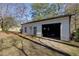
(48, 47)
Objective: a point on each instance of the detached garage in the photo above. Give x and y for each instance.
(55, 27)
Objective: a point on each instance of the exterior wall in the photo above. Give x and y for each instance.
(64, 27)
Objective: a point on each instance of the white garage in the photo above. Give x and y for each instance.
(56, 27)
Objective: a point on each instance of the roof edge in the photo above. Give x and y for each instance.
(66, 15)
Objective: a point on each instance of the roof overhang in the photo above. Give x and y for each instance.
(60, 16)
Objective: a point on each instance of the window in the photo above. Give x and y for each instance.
(30, 29)
(25, 29)
(35, 30)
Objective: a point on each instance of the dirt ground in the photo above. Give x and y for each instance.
(68, 47)
(13, 45)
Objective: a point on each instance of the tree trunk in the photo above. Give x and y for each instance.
(2, 25)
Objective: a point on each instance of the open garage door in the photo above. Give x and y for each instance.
(51, 30)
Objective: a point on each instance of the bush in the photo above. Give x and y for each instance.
(77, 35)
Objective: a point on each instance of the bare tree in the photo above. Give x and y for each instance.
(73, 9)
(7, 15)
(21, 11)
(6, 20)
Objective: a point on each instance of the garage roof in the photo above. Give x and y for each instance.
(60, 16)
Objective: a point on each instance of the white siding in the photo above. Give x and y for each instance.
(64, 27)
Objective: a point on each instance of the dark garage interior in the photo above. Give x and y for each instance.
(51, 30)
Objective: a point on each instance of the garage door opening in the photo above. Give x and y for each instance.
(51, 30)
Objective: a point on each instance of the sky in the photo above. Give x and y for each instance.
(12, 10)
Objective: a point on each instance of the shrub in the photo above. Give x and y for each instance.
(77, 35)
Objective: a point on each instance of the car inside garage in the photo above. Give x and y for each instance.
(51, 30)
